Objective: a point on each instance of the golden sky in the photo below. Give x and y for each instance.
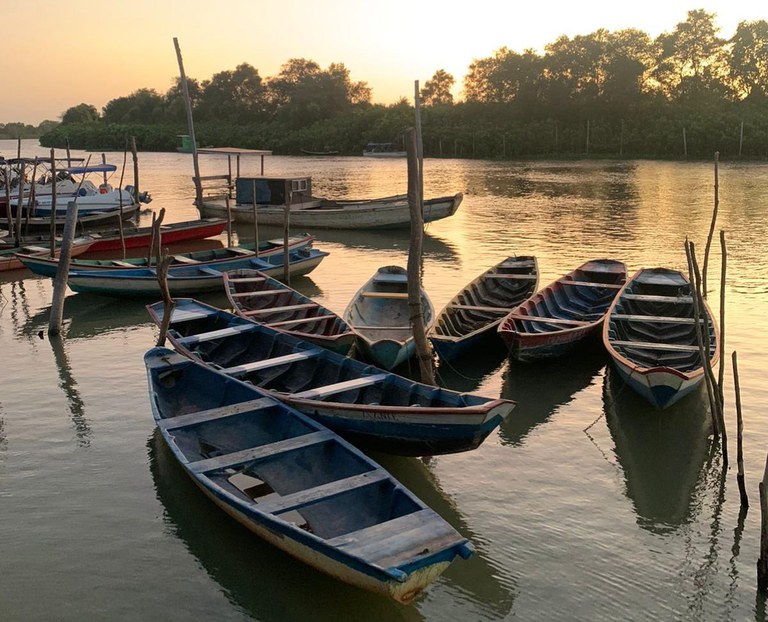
(59, 54)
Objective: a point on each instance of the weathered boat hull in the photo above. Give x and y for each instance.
(381, 214)
(171, 233)
(9, 259)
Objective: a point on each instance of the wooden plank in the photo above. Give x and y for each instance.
(548, 320)
(592, 284)
(183, 259)
(240, 251)
(215, 334)
(316, 318)
(339, 387)
(182, 315)
(307, 305)
(247, 279)
(652, 298)
(210, 271)
(479, 308)
(259, 453)
(298, 500)
(203, 416)
(649, 345)
(211, 178)
(653, 318)
(263, 292)
(273, 362)
(511, 277)
(122, 264)
(393, 295)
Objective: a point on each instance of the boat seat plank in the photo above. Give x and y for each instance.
(653, 318)
(339, 387)
(258, 453)
(390, 278)
(240, 251)
(548, 320)
(511, 277)
(183, 315)
(264, 292)
(273, 362)
(649, 345)
(394, 295)
(210, 271)
(183, 259)
(479, 308)
(122, 264)
(36, 250)
(592, 284)
(298, 500)
(307, 305)
(302, 320)
(203, 416)
(247, 279)
(652, 298)
(215, 334)
(364, 327)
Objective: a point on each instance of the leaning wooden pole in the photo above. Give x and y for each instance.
(419, 144)
(120, 195)
(135, 155)
(190, 125)
(8, 213)
(62, 270)
(255, 220)
(286, 231)
(762, 562)
(705, 265)
(423, 353)
(739, 434)
(721, 370)
(52, 234)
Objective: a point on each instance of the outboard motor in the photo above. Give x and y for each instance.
(142, 198)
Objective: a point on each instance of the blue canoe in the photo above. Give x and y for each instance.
(297, 484)
(374, 408)
(198, 277)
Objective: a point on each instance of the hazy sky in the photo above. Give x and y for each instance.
(59, 54)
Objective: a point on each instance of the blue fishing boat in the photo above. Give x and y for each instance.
(297, 484)
(194, 278)
(374, 408)
(650, 334)
(380, 316)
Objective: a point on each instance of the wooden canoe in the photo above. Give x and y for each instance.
(297, 484)
(379, 314)
(267, 301)
(565, 313)
(374, 408)
(216, 258)
(142, 282)
(140, 237)
(476, 311)
(651, 338)
(10, 259)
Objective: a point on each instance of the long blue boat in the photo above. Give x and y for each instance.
(374, 408)
(198, 277)
(297, 484)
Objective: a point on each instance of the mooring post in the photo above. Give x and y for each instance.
(62, 270)
(52, 234)
(151, 240)
(705, 265)
(135, 155)
(190, 125)
(762, 562)
(255, 220)
(229, 220)
(8, 213)
(739, 435)
(286, 230)
(120, 195)
(721, 370)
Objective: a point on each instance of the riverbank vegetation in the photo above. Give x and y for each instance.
(687, 93)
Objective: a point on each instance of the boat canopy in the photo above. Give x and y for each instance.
(96, 168)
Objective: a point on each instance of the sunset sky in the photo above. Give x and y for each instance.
(57, 55)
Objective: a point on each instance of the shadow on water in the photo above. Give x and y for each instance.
(662, 453)
(541, 388)
(468, 371)
(68, 384)
(263, 581)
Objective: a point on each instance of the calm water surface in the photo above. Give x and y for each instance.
(585, 505)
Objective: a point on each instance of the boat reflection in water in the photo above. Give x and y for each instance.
(474, 367)
(662, 453)
(541, 388)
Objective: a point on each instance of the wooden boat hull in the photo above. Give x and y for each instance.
(300, 487)
(172, 233)
(377, 409)
(377, 214)
(9, 259)
(654, 311)
(476, 311)
(184, 281)
(565, 314)
(94, 219)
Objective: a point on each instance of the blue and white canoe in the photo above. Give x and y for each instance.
(650, 335)
(297, 484)
(183, 280)
(379, 314)
(374, 408)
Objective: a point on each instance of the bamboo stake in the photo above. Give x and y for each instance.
(104, 173)
(711, 227)
(135, 155)
(255, 220)
(190, 125)
(18, 147)
(739, 434)
(120, 195)
(31, 200)
(721, 371)
(53, 205)
(762, 562)
(286, 227)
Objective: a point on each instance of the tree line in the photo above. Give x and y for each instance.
(688, 92)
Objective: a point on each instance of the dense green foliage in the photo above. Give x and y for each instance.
(23, 130)
(686, 93)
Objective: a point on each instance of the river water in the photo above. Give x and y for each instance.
(585, 505)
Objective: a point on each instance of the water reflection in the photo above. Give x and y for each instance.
(478, 578)
(662, 453)
(68, 384)
(540, 389)
(264, 582)
(467, 372)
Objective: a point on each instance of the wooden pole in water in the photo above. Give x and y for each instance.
(255, 219)
(168, 302)
(69, 155)
(31, 200)
(151, 240)
(52, 233)
(711, 228)
(229, 220)
(8, 213)
(420, 153)
(739, 433)
(104, 173)
(762, 562)
(18, 147)
(286, 227)
(62, 270)
(135, 156)
(721, 371)
(190, 125)
(20, 201)
(120, 195)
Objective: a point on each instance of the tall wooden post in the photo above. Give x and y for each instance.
(53, 205)
(8, 213)
(62, 270)
(120, 195)
(420, 150)
(69, 155)
(135, 156)
(286, 228)
(762, 562)
(741, 136)
(739, 433)
(711, 228)
(255, 220)
(685, 144)
(104, 173)
(190, 125)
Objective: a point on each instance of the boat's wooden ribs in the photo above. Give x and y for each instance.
(203, 416)
(511, 277)
(298, 500)
(247, 279)
(258, 453)
(479, 308)
(653, 318)
(215, 334)
(267, 363)
(339, 387)
(650, 345)
(652, 298)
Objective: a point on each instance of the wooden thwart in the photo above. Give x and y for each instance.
(183, 259)
(215, 334)
(480, 308)
(511, 277)
(651, 298)
(548, 320)
(653, 318)
(592, 284)
(203, 416)
(307, 305)
(247, 279)
(301, 320)
(264, 292)
(267, 363)
(394, 295)
(339, 387)
(649, 345)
